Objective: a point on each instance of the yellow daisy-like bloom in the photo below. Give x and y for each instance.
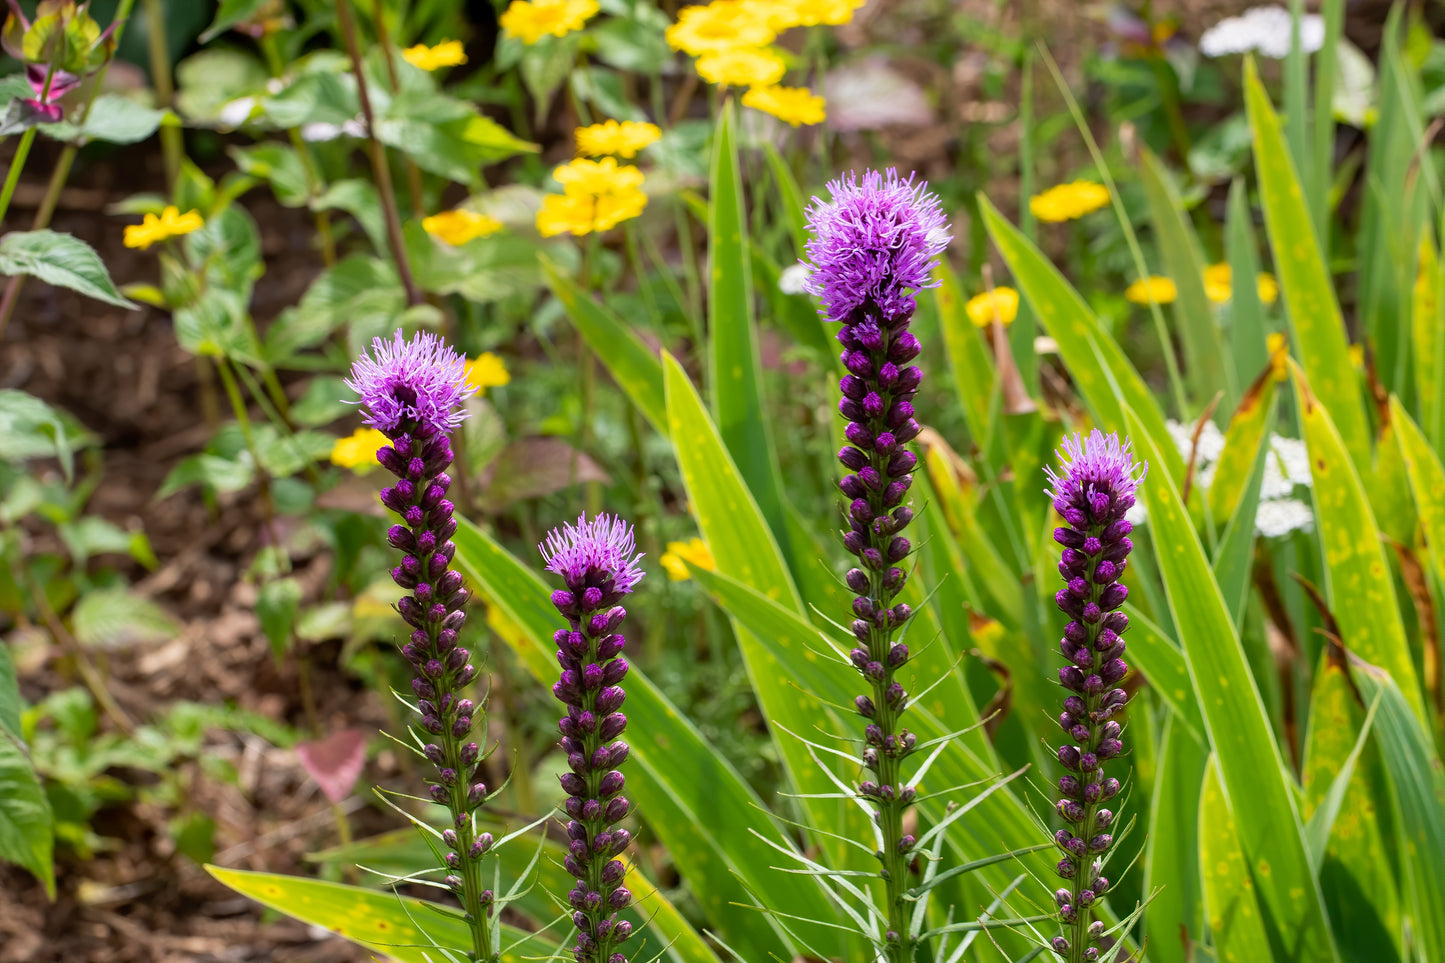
(742, 67)
(1001, 303)
(1065, 202)
(1219, 284)
(152, 229)
(794, 105)
(531, 20)
(603, 176)
(448, 53)
(624, 139)
(357, 451)
(812, 13)
(1278, 347)
(459, 226)
(1157, 289)
(721, 25)
(487, 371)
(680, 555)
(581, 214)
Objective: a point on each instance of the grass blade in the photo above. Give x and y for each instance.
(1173, 918)
(1229, 895)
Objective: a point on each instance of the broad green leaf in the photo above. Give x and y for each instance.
(968, 359)
(114, 119)
(1173, 918)
(1251, 769)
(319, 97)
(1157, 656)
(1203, 345)
(10, 704)
(278, 165)
(405, 929)
(1419, 780)
(1247, 339)
(1304, 277)
(59, 259)
(1427, 482)
(698, 805)
(1428, 347)
(1229, 892)
(1358, 582)
(360, 292)
(1357, 873)
(31, 428)
(455, 149)
(736, 383)
(230, 13)
(207, 81)
(26, 824)
(117, 616)
(634, 366)
(277, 605)
(1103, 375)
(358, 197)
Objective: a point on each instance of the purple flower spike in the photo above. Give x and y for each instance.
(875, 243)
(1093, 490)
(409, 390)
(603, 545)
(420, 382)
(597, 562)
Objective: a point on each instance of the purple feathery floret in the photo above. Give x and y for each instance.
(1097, 471)
(877, 241)
(603, 545)
(422, 381)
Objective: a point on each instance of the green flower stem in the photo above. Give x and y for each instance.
(172, 140)
(16, 166)
(413, 173)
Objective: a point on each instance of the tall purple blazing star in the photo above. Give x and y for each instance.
(411, 392)
(873, 247)
(1095, 489)
(598, 562)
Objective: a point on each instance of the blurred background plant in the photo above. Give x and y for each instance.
(210, 207)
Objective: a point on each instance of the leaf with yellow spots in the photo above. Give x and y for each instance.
(1359, 585)
(968, 359)
(1171, 853)
(1428, 347)
(405, 929)
(1229, 897)
(1251, 768)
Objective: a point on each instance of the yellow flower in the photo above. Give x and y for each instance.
(531, 20)
(152, 229)
(742, 67)
(448, 53)
(811, 13)
(1001, 302)
(795, 105)
(358, 450)
(1157, 289)
(487, 371)
(581, 214)
(1278, 348)
(1219, 284)
(1066, 202)
(457, 227)
(721, 25)
(680, 555)
(624, 139)
(605, 176)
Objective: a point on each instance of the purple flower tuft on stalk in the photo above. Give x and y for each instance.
(597, 562)
(873, 246)
(1095, 488)
(410, 391)
(875, 243)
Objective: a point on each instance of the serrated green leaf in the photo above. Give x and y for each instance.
(277, 604)
(116, 617)
(114, 119)
(216, 473)
(26, 821)
(278, 165)
(1229, 891)
(1251, 768)
(59, 259)
(319, 97)
(359, 198)
(1304, 278)
(1358, 583)
(10, 704)
(405, 929)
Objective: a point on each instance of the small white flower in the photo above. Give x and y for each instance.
(1294, 458)
(1137, 515)
(1281, 516)
(237, 112)
(318, 131)
(1211, 442)
(1268, 31)
(794, 279)
(354, 128)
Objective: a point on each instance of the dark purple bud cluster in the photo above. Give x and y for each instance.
(410, 391)
(873, 246)
(597, 562)
(1092, 494)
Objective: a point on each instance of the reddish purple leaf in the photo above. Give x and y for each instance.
(335, 762)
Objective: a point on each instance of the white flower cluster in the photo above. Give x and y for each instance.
(1267, 31)
(1286, 467)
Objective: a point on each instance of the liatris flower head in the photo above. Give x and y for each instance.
(1092, 491)
(597, 561)
(411, 386)
(874, 244)
(410, 390)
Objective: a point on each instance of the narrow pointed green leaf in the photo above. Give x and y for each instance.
(1247, 338)
(968, 360)
(1304, 277)
(1358, 582)
(1427, 481)
(1229, 891)
(1174, 917)
(1428, 347)
(1252, 770)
